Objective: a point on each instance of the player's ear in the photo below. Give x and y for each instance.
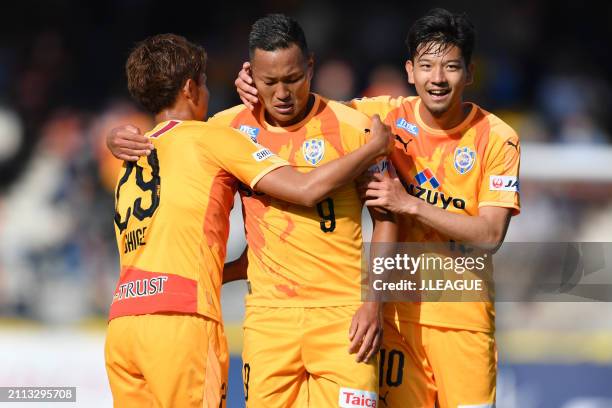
(190, 90)
(310, 65)
(409, 70)
(470, 74)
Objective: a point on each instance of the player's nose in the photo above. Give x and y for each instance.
(282, 92)
(437, 75)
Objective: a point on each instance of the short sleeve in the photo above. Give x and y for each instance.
(380, 105)
(237, 154)
(500, 183)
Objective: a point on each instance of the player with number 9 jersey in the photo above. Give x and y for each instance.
(304, 268)
(302, 256)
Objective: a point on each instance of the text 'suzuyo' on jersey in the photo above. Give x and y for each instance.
(460, 170)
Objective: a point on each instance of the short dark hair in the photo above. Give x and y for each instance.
(276, 31)
(158, 67)
(440, 27)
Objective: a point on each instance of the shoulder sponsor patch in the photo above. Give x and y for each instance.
(352, 398)
(250, 131)
(504, 183)
(262, 154)
(407, 126)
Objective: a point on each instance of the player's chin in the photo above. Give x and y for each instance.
(437, 107)
(284, 117)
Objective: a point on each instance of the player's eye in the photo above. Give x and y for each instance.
(452, 67)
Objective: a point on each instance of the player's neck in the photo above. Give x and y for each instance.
(182, 109)
(445, 120)
(171, 114)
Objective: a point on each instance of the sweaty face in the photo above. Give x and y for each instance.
(439, 75)
(282, 78)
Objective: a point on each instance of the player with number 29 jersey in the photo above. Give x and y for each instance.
(171, 217)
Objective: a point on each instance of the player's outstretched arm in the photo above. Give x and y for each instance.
(236, 269)
(284, 183)
(308, 189)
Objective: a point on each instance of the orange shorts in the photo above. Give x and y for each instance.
(298, 357)
(166, 360)
(424, 365)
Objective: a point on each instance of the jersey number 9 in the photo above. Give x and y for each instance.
(328, 217)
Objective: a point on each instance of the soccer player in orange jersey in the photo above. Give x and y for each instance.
(304, 265)
(304, 311)
(457, 168)
(165, 344)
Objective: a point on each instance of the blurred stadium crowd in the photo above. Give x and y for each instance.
(542, 66)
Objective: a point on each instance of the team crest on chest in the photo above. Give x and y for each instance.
(464, 159)
(313, 150)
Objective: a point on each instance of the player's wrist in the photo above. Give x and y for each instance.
(412, 206)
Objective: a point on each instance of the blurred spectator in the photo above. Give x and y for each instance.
(335, 80)
(581, 128)
(11, 135)
(387, 80)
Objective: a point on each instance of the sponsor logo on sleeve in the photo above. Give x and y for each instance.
(352, 398)
(250, 131)
(504, 183)
(381, 167)
(262, 154)
(407, 126)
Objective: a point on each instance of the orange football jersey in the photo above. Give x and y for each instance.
(302, 256)
(172, 217)
(475, 164)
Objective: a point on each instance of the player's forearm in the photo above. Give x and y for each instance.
(308, 189)
(385, 227)
(384, 238)
(320, 182)
(465, 228)
(237, 269)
